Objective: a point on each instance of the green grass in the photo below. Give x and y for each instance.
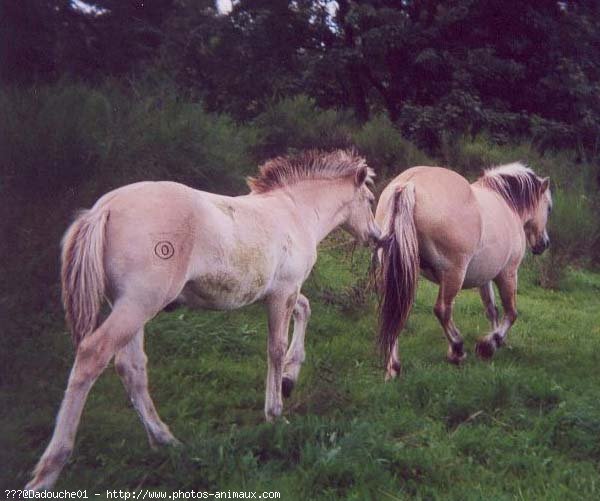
(525, 426)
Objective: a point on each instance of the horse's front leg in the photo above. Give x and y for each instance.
(507, 285)
(489, 302)
(280, 309)
(296, 354)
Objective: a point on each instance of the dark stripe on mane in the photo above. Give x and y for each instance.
(516, 183)
(313, 164)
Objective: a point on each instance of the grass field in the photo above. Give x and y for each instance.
(525, 426)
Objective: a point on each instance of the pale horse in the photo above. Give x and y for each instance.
(146, 245)
(458, 235)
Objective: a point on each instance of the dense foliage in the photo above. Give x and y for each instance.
(513, 69)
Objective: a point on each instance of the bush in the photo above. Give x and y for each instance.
(297, 124)
(168, 139)
(66, 135)
(574, 230)
(51, 137)
(385, 148)
(470, 157)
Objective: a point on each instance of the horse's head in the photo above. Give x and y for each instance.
(360, 221)
(535, 226)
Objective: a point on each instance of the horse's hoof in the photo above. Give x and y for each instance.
(164, 439)
(287, 385)
(38, 485)
(455, 358)
(276, 419)
(32, 486)
(175, 443)
(485, 348)
(393, 371)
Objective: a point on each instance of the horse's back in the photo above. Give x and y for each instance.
(164, 235)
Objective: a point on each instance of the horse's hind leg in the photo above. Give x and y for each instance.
(130, 364)
(295, 354)
(507, 286)
(489, 302)
(93, 355)
(450, 284)
(394, 367)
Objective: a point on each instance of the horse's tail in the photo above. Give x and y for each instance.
(82, 273)
(399, 270)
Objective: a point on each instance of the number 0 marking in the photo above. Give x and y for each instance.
(164, 249)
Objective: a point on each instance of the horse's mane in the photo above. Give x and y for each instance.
(314, 164)
(516, 183)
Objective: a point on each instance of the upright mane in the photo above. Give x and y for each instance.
(314, 164)
(516, 183)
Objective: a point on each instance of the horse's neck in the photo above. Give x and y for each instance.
(321, 205)
(488, 199)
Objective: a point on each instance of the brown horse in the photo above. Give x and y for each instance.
(144, 246)
(459, 235)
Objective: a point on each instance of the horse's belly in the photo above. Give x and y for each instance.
(223, 291)
(481, 270)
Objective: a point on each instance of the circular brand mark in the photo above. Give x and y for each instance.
(164, 249)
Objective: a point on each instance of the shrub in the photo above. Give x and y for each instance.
(470, 157)
(68, 135)
(296, 124)
(168, 139)
(51, 137)
(385, 148)
(574, 229)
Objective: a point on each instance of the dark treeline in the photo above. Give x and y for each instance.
(512, 69)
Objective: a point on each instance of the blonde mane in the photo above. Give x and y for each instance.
(314, 164)
(516, 183)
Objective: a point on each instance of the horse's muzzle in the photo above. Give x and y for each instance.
(540, 246)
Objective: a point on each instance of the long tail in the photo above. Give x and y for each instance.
(399, 270)
(82, 274)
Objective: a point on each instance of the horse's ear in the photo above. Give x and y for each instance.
(361, 176)
(545, 184)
